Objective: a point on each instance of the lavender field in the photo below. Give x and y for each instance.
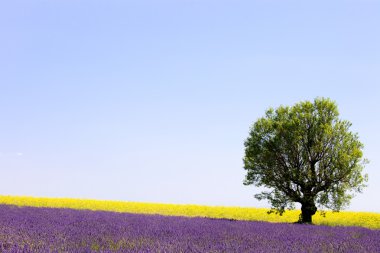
(31, 229)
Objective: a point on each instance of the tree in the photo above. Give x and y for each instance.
(304, 154)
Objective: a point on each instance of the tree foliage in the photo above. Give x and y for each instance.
(305, 154)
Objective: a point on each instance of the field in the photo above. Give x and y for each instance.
(362, 219)
(137, 227)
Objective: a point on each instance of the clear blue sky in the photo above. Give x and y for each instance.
(152, 100)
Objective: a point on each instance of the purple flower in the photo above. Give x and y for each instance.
(30, 229)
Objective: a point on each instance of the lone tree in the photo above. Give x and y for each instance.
(305, 154)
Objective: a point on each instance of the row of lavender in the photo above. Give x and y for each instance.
(29, 229)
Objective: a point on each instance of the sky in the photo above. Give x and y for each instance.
(151, 101)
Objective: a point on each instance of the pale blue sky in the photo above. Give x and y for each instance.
(152, 100)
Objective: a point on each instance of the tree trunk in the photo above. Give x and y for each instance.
(308, 210)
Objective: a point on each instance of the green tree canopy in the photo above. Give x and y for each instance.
(306, 154)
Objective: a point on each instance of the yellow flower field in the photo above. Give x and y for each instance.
(344, 218)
